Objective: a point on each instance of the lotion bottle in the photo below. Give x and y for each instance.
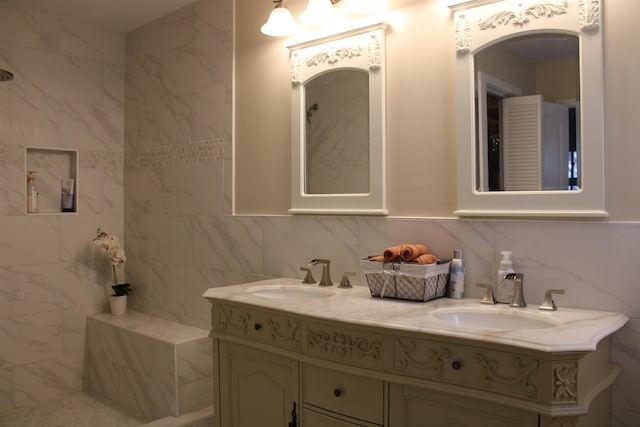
(504, 289)
(456, 279)
(32, 193)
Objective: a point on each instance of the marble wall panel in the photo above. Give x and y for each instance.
(143, 191)
(5, 293)
(47, 287)
(43, 381)
(185, 190)
(12, 198)
(228, 243)
(28, 28)
(6, 390)
(139, 394)
(183, 287)
(92, 42)
(30, 338)
(29, 240)
(592, 262)
(67, 92)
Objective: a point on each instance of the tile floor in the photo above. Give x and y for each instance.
(77, 410)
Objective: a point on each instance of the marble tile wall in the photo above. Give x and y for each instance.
(68, 92)
(178, 158)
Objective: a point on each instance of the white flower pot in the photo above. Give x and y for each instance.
(118, 304)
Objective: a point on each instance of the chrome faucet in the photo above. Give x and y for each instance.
(326, 274)
(518, 294)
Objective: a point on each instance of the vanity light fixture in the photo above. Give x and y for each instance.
(319, 12)
(280, 22)
(456, 5)
(364, 6)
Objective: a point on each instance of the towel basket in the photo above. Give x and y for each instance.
(406, 280)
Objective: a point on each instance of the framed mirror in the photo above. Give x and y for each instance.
(530, 109)
(338, 137)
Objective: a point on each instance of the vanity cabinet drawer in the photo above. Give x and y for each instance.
(256, 325)
(502, 372)
(345, 345)
(345, 394)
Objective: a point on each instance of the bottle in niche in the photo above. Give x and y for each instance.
(32, 193)
(456, 276)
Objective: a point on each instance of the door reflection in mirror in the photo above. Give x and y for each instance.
(528, 114)
(337, 133)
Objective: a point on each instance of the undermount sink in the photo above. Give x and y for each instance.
(290, 292)
(493, 320)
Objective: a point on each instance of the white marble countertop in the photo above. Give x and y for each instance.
(572, 329)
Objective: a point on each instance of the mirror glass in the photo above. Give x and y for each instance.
(337, 133)
(528, 114)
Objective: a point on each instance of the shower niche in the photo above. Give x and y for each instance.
(55, 172)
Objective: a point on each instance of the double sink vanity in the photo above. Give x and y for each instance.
(292, 354)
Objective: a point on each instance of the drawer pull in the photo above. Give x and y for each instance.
(337, 392)
(456, 365)
(257, 326)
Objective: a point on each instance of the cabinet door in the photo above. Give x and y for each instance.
(257, 388)
(413, 407)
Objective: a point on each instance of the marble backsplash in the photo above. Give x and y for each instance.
(593, 262)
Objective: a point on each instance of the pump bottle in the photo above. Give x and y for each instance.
(504, 290)
(32, 193)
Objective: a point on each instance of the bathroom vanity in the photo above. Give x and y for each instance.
(288, 354)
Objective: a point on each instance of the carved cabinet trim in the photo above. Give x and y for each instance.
(495, 371)
(263, 326)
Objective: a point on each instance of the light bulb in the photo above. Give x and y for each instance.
(364, 6)
(319, 12)
(280, 23)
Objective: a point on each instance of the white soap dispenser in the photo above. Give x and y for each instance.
(32, 193)
(504, 290)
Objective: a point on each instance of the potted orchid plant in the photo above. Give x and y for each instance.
(111, 244)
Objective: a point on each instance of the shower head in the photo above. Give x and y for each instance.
(5, 75)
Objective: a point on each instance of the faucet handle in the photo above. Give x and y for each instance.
(518, 293)
(345, 283)
(488, 297)
(548, 303)
(308, 278)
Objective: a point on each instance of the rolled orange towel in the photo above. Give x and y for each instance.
(378, 258)
(426, 259)
(411, 252)
(392, 253)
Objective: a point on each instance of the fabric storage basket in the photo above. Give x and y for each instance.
(380, 278)
(421, 282)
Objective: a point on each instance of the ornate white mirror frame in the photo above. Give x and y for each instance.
(362, 48)
(478, 25)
